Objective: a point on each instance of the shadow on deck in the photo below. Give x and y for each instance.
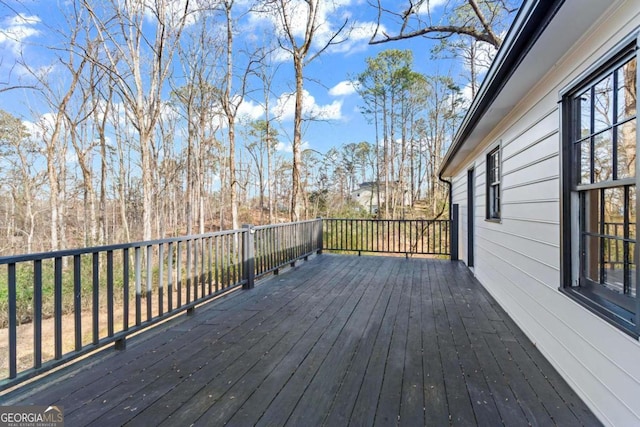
(339, 340)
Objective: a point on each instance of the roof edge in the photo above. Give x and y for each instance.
(530, 22)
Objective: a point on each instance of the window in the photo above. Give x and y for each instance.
(599, 190)
(493, 184)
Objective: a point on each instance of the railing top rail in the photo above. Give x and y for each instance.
(268, 226)
(96, 249)
(386, 220)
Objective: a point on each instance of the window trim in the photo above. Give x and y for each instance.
(493, 216)
(570, 190)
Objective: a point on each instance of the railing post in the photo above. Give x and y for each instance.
(319, 237)
(248, 256)
(453, 233)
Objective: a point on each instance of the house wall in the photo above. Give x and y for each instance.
(518, 259)
(367, 199)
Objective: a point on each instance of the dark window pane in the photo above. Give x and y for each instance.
(603, 104)
(590, 219)
(585, 161)
(493, 184)
(627, 90)
(627, 150)
(632, 270)
(602, 154)
(591, 253)
(614, 211)
(614, 264)
(584, 103)
(632, 212)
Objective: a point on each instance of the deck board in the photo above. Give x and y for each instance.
(338, 340)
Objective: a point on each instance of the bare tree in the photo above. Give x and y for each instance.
(384, 87)
(266, 72)
(139, 61)
(55, 127)
(302, 51)
(197, 100)
(20, 156)
(230, 102)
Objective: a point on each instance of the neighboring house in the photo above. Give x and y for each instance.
(543, 169)
(367, 196)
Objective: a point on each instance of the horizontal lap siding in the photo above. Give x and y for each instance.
(518, 259)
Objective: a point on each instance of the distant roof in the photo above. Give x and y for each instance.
(541, 33)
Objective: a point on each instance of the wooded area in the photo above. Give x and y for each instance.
(145, 137)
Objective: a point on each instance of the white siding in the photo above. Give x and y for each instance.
(518, 259)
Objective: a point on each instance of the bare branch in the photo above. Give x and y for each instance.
(485, 24)
(444, 30)
(468, 17)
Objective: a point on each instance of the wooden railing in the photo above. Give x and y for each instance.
(280, 245)
(408, 237)
(57, 306)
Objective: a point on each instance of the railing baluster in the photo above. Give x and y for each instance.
(77, 300)
(138, 284)
(217, 263)
(57, 290)
(179, 275)
(96, 296)
(224, 261)
(170, 277)
(125, 289)
(37, 313)
(196, 276)
(13, 317)
(110, 302)
(189, 247)
(210, 262)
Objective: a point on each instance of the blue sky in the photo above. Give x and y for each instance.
(28, 26)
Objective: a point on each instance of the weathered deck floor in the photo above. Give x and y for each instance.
(340, 340)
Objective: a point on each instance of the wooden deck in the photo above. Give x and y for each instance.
(338, 340)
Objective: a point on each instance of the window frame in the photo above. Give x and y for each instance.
(494, 184)
(623, 311)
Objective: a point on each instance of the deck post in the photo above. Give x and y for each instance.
(319, 236)
(248, 257)
(121, 344)
(453, 233)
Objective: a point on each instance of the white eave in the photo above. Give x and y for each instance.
(542, 32)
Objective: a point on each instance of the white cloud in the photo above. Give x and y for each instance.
(425, 8)
(34, 130)
(285, 108)
(344, 88)
(16, 29)
(250, 110)
(358, 40)
(168, 112)
(484, 54)
(288, 148)
(330, 17)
